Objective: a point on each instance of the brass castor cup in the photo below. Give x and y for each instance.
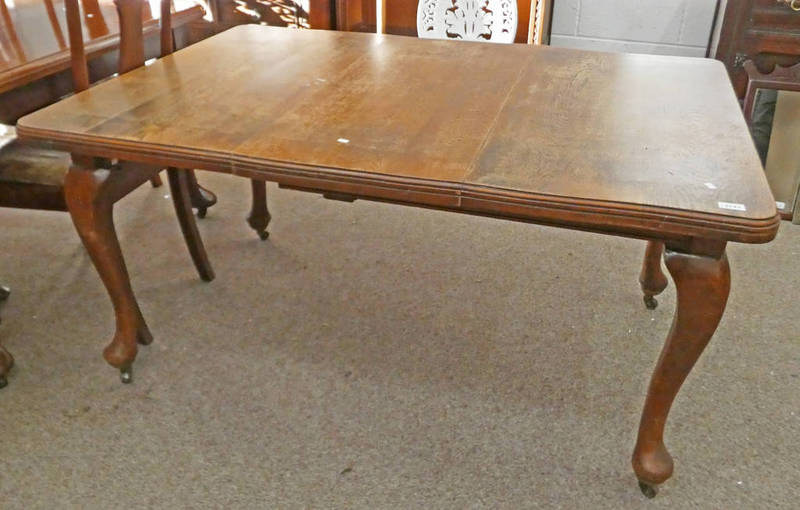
(648, 490)
(650, 302)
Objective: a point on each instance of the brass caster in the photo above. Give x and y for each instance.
(201, 212)
(4, 292)
(3, 382)
(263, 235)
(648, 490)
(650, 302)
(126, 374)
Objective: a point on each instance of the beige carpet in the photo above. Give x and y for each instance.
(371, 356)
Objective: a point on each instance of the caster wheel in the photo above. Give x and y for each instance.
(4, 292)
(648, 490)
(201, 212)
(263, 235)
(3, 382)
(650, 302)
(126, 375)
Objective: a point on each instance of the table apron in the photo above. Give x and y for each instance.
(679, 227)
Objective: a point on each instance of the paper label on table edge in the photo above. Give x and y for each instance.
(731, 206)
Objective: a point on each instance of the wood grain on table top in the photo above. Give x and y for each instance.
(628, 135)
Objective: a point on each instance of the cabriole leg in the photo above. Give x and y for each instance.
(90, 195)
(702, 284)
(652, 278)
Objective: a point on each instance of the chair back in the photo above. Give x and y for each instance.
(467, 20)
(131, 37)
(477, 20)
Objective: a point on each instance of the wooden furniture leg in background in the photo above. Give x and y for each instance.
(180, 188)
(200, 197)
(6, 360)
(652, 278)
(703, 283)
(4, 292)
(259, 217)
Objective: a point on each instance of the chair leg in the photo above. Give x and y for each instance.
(156, 181)
(6, 362)
(4, 293)
(259, 216)
(179, 182)
(201, 198)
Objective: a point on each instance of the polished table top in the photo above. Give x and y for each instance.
(34, 38)
(649, 146)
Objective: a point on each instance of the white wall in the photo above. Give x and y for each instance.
(667, 27)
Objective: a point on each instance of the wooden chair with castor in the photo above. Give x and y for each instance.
(33, 177)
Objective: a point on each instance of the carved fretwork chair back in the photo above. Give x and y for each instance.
(478, 20)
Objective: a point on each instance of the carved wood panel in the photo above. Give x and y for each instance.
(468, 20)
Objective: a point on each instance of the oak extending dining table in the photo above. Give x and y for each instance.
(649, 147)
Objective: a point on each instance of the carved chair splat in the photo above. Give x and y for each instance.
(477, 20)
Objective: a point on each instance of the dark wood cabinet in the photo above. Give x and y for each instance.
(764, 31)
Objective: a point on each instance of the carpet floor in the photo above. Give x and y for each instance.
(373, 356)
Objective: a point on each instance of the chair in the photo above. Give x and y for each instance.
(33, 177)
(477, 20)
